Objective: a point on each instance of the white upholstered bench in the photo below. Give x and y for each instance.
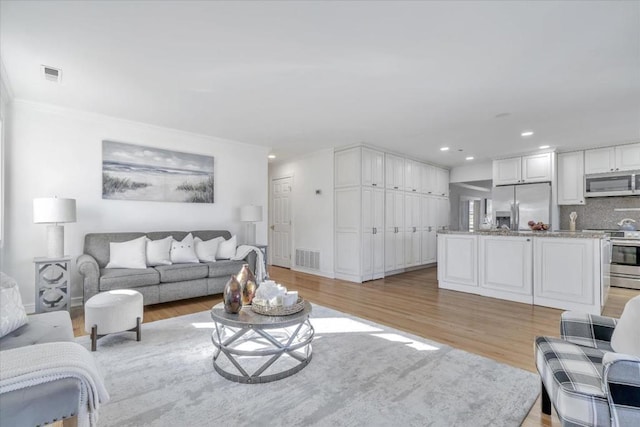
(113, 311)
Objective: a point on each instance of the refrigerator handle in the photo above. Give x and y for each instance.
(517, 209)
(513, 215)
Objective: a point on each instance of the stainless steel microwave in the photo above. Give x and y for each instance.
(612, 184)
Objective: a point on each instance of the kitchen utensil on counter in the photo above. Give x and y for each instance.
(627, 224)
(572, 221)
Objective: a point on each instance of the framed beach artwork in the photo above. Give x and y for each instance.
(136, 172)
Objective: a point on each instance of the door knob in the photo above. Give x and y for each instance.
(273, 227)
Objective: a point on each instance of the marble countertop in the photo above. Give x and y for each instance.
(561, 233)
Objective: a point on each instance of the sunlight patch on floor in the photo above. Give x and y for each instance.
(420, 346)
(203, 325)
(335, 325)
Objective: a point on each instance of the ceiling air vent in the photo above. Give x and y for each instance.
(51, 74)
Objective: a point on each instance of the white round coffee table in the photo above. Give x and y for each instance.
(253, 348)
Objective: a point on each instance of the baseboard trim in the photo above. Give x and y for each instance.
(314, 272)
(75, 302)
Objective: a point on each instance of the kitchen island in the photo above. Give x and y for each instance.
(559, 269)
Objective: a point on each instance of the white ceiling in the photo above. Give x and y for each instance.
(301, 76)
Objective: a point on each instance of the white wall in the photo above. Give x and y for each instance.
(312, 214)
(472, 172)
(54, 151)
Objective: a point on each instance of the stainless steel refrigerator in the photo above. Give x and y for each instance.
(516, 205)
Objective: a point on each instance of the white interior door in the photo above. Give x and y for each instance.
(280, 247)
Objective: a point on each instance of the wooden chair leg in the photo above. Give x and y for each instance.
(139, 329)
(546, 401)
(94, 337)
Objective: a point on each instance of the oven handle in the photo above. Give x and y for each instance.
(629, 243)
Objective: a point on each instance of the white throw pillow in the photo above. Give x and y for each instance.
(12, 312)
(207, 250)
(626, 336)
(184, 251)
(159, 251)
(130, 254)
(227, 249)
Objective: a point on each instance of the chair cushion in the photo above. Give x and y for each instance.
(182, 272)
(626, 338)
(224, 267)
(122, 278)
(572, 375)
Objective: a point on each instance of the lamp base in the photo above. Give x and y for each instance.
(250, 233)
(55, 241)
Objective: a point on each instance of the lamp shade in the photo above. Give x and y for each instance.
(251, 213)
(54, 210)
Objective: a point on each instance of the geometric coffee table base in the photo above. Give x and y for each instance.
(251, 348)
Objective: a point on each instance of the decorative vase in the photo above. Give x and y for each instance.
(232, 296)
(248, 283)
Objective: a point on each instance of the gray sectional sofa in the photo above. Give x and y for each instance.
(156, 284)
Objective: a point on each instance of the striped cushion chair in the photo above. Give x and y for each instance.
(588, 383)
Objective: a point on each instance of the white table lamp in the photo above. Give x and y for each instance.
(54, 211)
(250, 215)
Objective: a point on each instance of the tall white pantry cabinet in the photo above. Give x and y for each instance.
(387, 212)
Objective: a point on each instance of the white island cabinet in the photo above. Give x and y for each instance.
(505, 267)
(552, 269)
(567, 274)
(458, 262)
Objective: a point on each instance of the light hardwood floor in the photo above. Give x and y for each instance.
(500, 330)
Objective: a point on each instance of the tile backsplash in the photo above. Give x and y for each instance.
(599, 213)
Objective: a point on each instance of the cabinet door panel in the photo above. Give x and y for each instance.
(378, 255)
(428, 179)
(536, 168)
(507, 171)
(571, 178)
(367, 256)
(563, 271)
(347, 166)
(600, 160)
(506, 264)
(348, 251)
(628, 157)
(442, 182)
(457, 262)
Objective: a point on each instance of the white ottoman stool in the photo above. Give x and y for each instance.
(113, 311)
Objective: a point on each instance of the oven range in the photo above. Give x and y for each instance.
(625, 258)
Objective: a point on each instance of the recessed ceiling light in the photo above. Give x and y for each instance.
(271, 156)
(527, 133)
(469, 158)
(444, 148)
(542, 147)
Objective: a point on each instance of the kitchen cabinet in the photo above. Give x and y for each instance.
(429, 225)
(346, 167)
(428, 184)
(442, 213)
(442, 182)
(566, 274)
(348, 247)
(412, 175)
(458, 262)
(394, 230)
(394, 172)
(521, 170)
(372, 233)
(612, 159)
(372, 168)
(412, 229)
(506, 267)
(571, 178)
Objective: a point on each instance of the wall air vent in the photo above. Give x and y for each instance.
(308, 259)
(51, 74)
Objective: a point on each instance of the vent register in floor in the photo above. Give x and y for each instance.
(308, 259)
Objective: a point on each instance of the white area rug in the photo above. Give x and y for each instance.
(361, 374)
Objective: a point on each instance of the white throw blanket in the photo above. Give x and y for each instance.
(31, 365)
(243, 251)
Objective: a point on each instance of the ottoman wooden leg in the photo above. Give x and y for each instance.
(138, 329)
(94, 337)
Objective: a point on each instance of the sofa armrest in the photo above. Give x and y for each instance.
(587, 330)
(90, 271)
(621, 382)
(251, 260)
